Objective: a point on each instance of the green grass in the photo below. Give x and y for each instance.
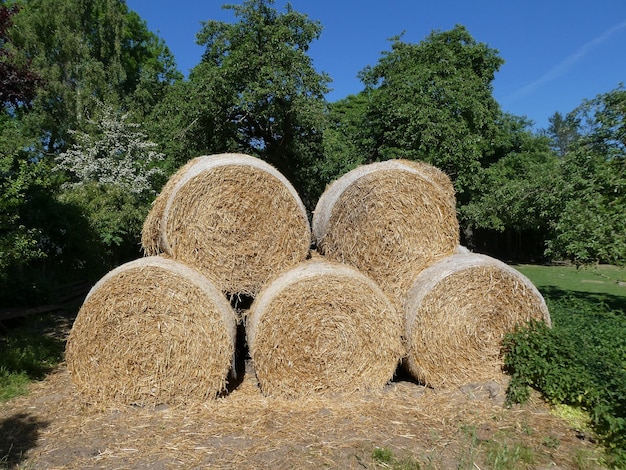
(26, 355)
(384, 458)
(601, 279)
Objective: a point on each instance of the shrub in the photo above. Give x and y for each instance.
(581, 361)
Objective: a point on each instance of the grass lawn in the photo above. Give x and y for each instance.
(602, 279)
(603, 285)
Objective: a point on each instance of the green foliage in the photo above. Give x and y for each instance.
(563, 132)
(88, 52)
(589, 223)
(115, 153)
(581, 361)
(255, 91)
(515, 193)
(509, 456)
(18, 178)
(433, 101)
(114, 217)
(385, 458)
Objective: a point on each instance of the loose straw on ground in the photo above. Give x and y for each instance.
(152, 331)
(390, 220)
(323, 328)
(232, 217)
(457, 313)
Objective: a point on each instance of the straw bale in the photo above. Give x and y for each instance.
(323, 328)
(152, 331)
(151, 230)
(457, 313)
(390, 220)
(234, 218)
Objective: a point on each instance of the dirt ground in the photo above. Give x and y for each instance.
(404, 426)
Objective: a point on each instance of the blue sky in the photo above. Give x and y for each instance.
(557, 53)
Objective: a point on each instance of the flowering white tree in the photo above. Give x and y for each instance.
(114, 177)
(116, 154)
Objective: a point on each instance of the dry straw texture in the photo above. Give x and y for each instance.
(390, 220)
(232, 217)
(151, 230)
(323, 328)
(457, 313)
(152, 331)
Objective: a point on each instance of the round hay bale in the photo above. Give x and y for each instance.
(151, 230)
(390, 220)
(152, 331)
(232, 217)
(323, 328)
(457, 313)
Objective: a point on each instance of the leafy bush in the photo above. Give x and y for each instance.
(581, 361)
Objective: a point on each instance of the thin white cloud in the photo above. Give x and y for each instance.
(560, 68)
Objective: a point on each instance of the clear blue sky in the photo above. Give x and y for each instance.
(557, 52)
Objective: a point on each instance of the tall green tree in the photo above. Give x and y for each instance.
(591, 222)
(18, 84)
(433, 101)
(255, 91)
(514, 202)
(563, 132)
(89, 52)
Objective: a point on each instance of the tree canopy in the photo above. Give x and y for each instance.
(255, 91)
(94, 117)
(433, 101)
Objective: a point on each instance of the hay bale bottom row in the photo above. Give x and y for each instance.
(152, 331)
(457, 314)
(323, 328)
(155, 331)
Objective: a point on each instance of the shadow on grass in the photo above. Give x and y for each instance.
(614, 303)
(18, 435)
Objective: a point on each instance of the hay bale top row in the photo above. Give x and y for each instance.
(219, 214)
(390, 220)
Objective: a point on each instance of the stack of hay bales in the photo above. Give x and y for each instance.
(390, 284)
(396, 221)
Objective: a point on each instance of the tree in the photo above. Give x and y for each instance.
(346, 138)
(89, 52)
(591, 222)
(433, 101)
(18, 82)
(114, 179)
(255, 91)
(511, 209)
(115, 153)
(563, 132)
(19, 244)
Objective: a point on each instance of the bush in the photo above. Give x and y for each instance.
(581, 361)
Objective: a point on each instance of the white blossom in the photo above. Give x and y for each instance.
(118, 154)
